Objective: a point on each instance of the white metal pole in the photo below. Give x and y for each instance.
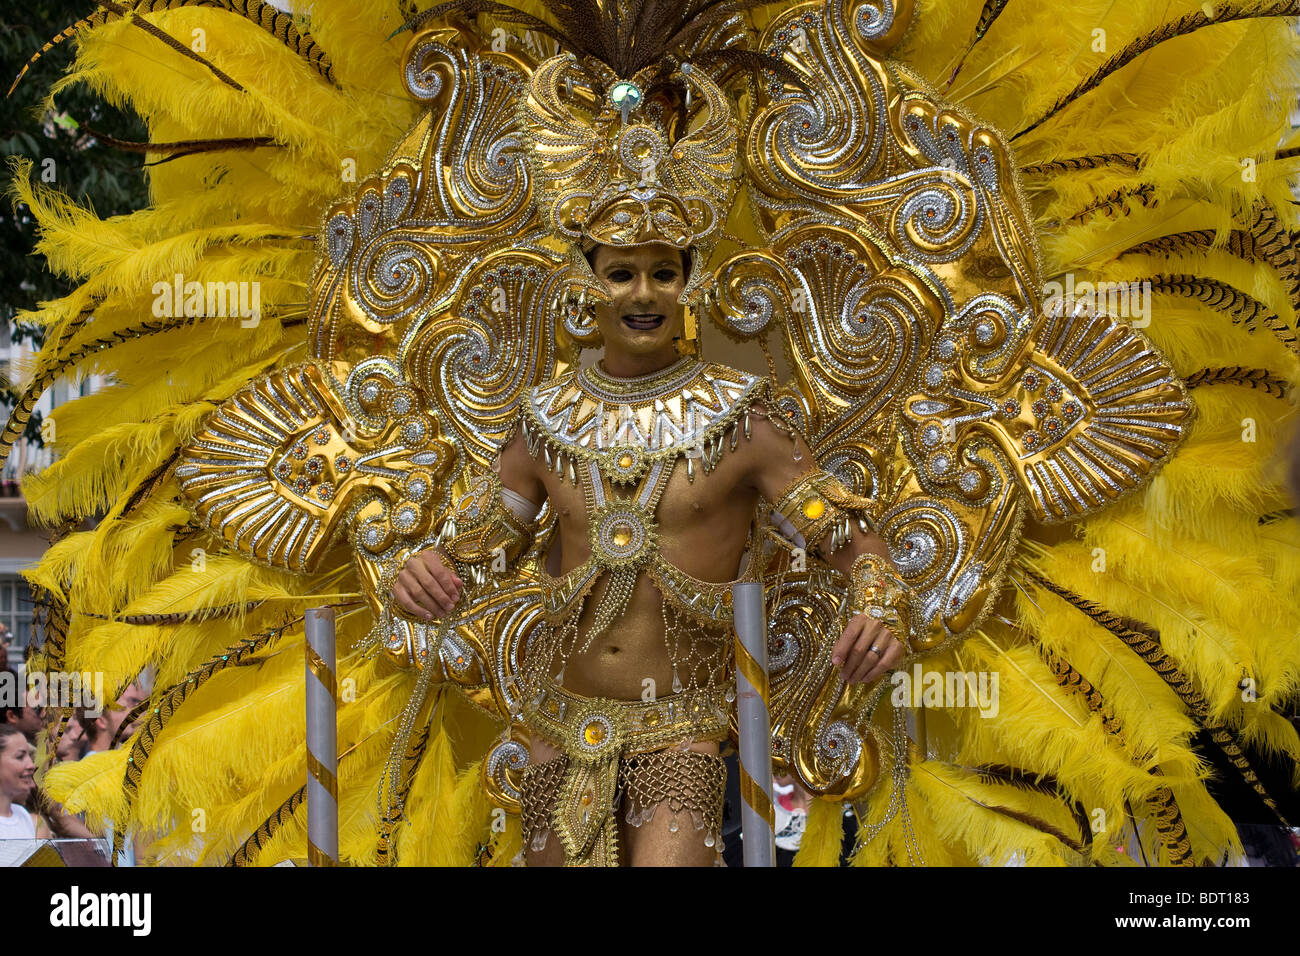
(322, 742)
(752, 702)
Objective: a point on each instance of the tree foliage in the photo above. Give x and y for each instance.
(64, 152)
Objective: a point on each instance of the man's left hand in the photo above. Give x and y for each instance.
(866, 650)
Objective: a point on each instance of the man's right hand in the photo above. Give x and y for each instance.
(426, 588)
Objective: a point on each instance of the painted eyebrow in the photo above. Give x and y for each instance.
(628, 264)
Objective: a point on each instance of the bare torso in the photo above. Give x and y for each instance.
(703, 530)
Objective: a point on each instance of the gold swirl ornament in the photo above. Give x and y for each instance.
(502, 770)
(820, 726)
(415, 232)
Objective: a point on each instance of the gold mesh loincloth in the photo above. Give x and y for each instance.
(539, 788)
(685, 781)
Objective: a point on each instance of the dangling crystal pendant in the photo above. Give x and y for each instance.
(677, 681)
(708, 839)
(672, 824)
(539, 841)
(731, 693)
(559, 678)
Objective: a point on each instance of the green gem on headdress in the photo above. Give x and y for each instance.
(626, 97)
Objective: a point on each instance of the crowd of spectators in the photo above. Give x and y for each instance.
(34, 736)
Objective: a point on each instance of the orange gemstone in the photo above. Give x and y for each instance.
(625, 461)
(814, 508)
(593, 734)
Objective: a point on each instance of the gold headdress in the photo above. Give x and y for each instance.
(629, 139)
(606, 167)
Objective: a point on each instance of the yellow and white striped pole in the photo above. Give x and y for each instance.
(754, 727)
(322, 742)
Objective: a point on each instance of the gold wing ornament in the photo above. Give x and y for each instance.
(901, 277)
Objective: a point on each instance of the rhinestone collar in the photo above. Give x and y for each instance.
(599, 384)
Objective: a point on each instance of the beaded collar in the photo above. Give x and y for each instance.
(586, 414)
(599, 384)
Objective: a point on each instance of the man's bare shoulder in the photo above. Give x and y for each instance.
(518, 469)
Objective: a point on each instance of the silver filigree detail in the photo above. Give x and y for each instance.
(874, 21)
(840, 746)
(422, 84)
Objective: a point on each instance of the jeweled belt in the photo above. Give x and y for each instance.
(586, 727)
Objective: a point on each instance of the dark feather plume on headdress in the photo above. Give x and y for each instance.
(629, 35)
